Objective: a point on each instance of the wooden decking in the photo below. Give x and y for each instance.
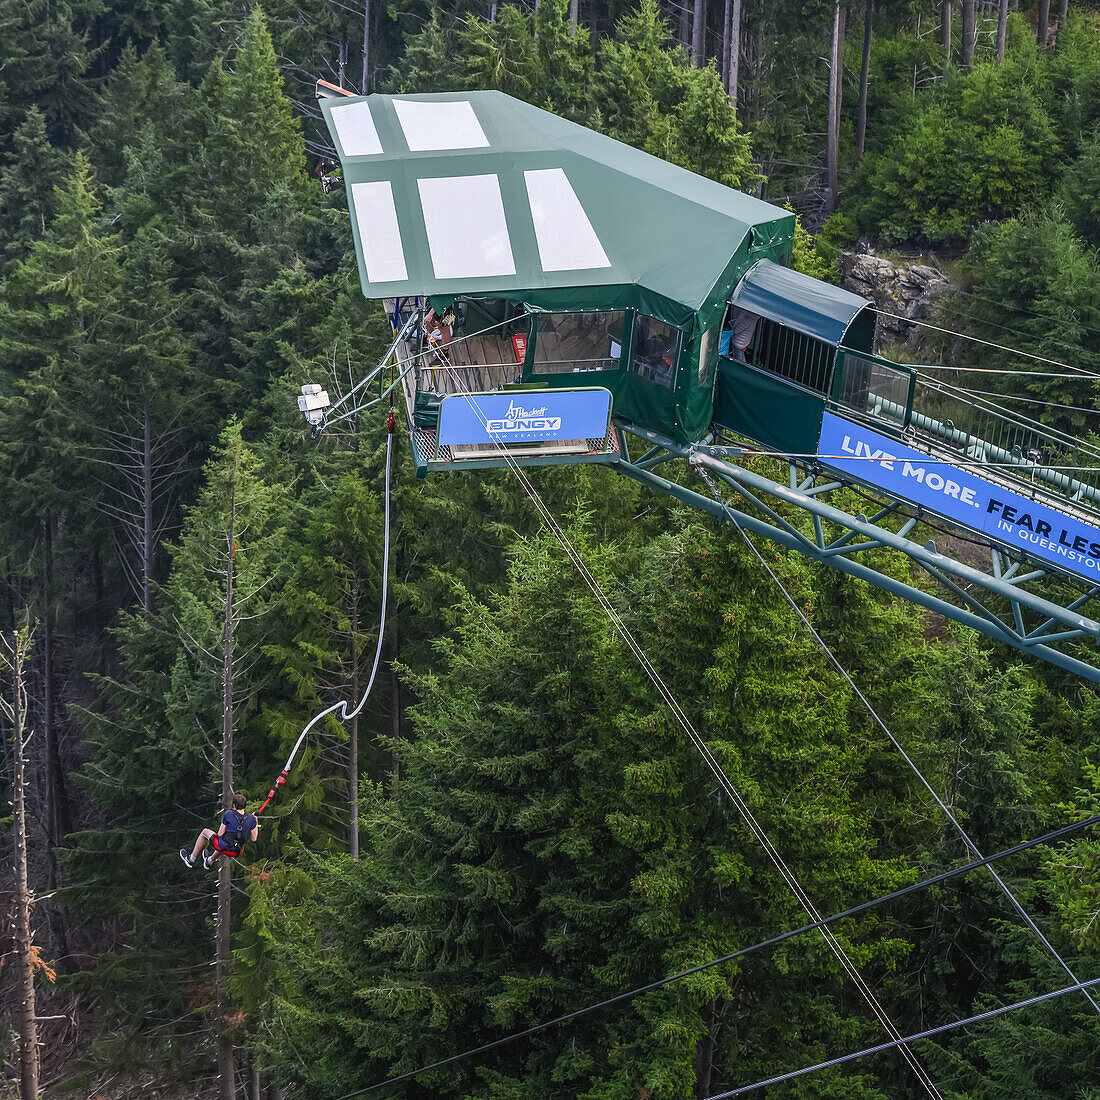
(472, 364)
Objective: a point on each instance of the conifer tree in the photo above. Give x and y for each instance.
(554, 840)
(172, 732)
(27, 185)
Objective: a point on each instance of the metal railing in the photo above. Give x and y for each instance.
(1037, 460)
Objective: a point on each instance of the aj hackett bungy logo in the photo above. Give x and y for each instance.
(1044, 533)
(519, 419)
(522, 418)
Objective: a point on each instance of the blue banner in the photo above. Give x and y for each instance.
(1043, 533)
(524, 416)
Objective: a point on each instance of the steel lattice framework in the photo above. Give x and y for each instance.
(1037, 610)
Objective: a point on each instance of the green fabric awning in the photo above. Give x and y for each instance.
(806, 305)
(479, 194)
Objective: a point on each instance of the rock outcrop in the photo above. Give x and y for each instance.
(907, 291)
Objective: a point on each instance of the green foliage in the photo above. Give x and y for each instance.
(1037, 281)
(26, 188)
(809, 255)
(536, 832)
(984, 147)
(647, 94)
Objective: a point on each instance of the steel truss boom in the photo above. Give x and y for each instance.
(1029, 607)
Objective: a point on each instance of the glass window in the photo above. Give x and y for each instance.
(576, 343)
(656, 349)
(706, 354)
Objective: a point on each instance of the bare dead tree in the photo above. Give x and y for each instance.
(946, 11)
(864, 80)
(14, 648)
(145, 463)
(836, 76)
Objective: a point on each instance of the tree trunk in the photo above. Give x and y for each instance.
(685, 25)
(395, 709)
(724, 59)
(1002, 27)
(1063, 15)
(353, 732)
(704, 1057)
(1043, 24)
(366, 45)
(836, 62)
(574, 15)
(968, 32)
(28, 1031)
(864, 80)
(735, 50)
(946, 9)
(58, 821)
(227, 1085)
(699, 31)
(147, 536)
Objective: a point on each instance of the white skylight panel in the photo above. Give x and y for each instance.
(467, 231)
(379, 234)
(355, 129)
(566, 239)
(449, 125)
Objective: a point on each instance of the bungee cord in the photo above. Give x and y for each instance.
(963, 834)
(772, 941)
(341, 708)
(704, 751)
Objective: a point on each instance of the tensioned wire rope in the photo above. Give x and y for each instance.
(963, 834)
(549, 518)
(897, 1040)
(992, 1014)
(1077, 372)
(944, 876)
(704, 751)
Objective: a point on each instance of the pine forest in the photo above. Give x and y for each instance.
(518, 825)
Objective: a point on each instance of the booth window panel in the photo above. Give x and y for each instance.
(874, 387)
(793, 355)
(434, 126)
(467, 230)
(356, 130)
(577, 343)
(706, 354)
(656, 350)
(379, 233)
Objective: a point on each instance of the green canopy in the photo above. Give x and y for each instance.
(807, 305)
(479, 194)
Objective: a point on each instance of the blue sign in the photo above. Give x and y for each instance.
(1012, 519)
(524, 416)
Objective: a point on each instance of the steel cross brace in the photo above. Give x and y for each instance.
(993, 602)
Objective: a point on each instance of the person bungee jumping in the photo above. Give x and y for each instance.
(237, 827)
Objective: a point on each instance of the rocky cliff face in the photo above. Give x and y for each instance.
(907, 291)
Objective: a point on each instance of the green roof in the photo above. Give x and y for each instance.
(481, 194)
